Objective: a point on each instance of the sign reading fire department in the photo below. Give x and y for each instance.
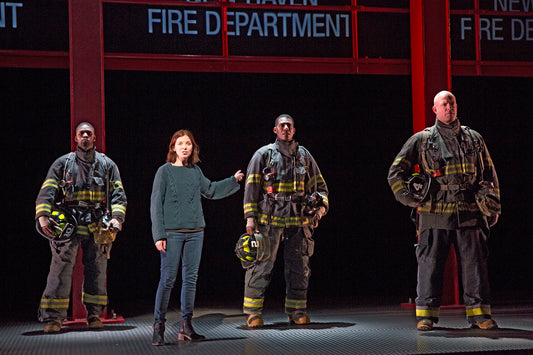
(282, 28)
(255, 32)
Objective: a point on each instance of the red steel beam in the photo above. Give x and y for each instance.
(86, 98)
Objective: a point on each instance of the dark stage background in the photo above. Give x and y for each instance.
(353, 126)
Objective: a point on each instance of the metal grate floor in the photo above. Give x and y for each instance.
(361, 330)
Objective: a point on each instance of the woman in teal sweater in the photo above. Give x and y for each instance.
(178, 227)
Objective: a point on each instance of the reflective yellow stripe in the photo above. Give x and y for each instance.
(118, 208)
(50, 183)
(253, 302)
(427, 313)
(250, 207)
(95, 299)
(55, 303)
(253, 179)
(82, 230)
(282, 221)
(398, 186)
(297, 304)
(117, 185)
(43, 207)
(478, 311)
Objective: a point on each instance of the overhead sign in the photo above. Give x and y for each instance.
(274, 28)
(505, 36)
(34, 25)
(252, 32)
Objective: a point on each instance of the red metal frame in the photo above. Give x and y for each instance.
(228, 63)
(86, 104)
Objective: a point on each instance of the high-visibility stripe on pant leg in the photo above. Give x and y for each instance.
(95, 299)
(54, 303)
(478, 311)
(425, 312)
(253, 303)
(295, 304)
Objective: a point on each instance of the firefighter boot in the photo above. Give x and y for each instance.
(425, 325)
(53, 326)
(254, 321)
(94, 322)
(485, 325)
(299, 318)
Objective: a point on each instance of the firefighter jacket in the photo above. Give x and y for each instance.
(280, 178)
(457, 160)
(80, 179)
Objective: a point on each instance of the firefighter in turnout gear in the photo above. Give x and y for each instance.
(77, 182)
(284, 198)
(462, 203)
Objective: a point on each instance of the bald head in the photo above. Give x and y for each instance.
(445, 107)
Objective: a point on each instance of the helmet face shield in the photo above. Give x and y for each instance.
(252, 248)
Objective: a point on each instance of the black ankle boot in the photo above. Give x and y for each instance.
(187, 331)
(159, 334)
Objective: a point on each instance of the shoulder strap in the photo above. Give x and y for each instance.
(474, 139)
(425, 137)
(270, 148)
(106, 174)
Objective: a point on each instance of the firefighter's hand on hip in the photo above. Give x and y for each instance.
(45, 222)
(161, 245)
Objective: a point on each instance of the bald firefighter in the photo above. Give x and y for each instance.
(457, 197)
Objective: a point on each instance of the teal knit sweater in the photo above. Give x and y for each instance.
(176, 204)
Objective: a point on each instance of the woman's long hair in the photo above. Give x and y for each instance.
(172, 155)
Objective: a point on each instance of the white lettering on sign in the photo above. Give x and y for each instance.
(491, 29)
(522, 30)
(5, 16)
(262, 24)
(513, 5)
(495, 28)
(288, 24)
(168, 21)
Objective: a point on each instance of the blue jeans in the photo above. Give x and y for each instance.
(187, 248)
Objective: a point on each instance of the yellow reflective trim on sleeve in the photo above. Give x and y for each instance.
(43, 207)
(55, 303)
(118, 208)
(94, 299)
(117, 185)
(398, 186)
(250, 207)
(253, 179)
(253, 302)
(50, 183)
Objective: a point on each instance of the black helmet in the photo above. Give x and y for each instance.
(252, 248)
(64, 228)
(418, 185)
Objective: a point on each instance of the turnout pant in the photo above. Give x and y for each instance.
(55, 299)
(298, 248)
(471, 248)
